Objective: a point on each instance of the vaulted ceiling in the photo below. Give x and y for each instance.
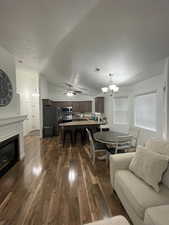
(66, 40)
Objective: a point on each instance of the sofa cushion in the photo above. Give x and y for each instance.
(116, 220)
(157, 215)
(149, 166)
(162, 147)
(158, 145)
(140, 195)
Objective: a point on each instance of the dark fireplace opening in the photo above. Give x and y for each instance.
(9, 153)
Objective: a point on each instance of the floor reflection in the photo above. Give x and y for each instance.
(71, 176)
(36, 170)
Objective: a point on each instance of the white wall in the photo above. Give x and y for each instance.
(7, 64)
(28, 88)
(166, 101)
(43, 87)
(43, 91)
(155, 83)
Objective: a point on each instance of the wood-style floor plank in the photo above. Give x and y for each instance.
(56, 186)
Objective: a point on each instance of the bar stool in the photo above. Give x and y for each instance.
(67, 132)
(78, 131)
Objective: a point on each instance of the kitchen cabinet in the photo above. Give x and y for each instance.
(99, 104)
(77, 106)
(82, 106)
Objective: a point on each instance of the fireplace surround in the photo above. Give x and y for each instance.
(9, 153)
(11, 141)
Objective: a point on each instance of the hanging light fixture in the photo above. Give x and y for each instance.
(70, 93)
(116, 89)
(112, 87)
(105, 89)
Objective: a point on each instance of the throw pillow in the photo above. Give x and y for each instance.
(149, 166)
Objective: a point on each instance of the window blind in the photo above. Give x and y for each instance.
(120, 110)
(146, 111)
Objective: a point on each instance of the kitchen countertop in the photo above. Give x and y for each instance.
(80, 123)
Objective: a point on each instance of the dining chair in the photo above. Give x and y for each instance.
(135, 133)
(95, 147)
(105, 125)
(123, 143)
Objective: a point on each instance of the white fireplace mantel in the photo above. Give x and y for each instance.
(11, 126)
(12, 119)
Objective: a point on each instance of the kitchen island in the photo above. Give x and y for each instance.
(71, 127)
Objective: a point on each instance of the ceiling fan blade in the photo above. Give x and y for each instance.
(68, 84)
(85, 94)
(60, 85)
(75, 87)
(78, 92)
(81, 88)
(70, 87)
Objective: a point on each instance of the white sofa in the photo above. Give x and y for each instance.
(116, 220)
(143, 204)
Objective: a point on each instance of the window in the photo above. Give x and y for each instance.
(120, 110)
(145, 111)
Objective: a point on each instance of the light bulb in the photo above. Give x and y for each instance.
(104, 89)
(70, 94)
(116, 89)
(112, 86)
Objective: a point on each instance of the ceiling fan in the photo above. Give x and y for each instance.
(71, 90)
(78, 88)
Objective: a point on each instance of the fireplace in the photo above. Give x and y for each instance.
(9, 153)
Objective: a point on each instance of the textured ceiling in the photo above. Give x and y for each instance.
(31, 29)
(67, 40)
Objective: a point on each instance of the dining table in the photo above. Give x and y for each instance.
(110, 137)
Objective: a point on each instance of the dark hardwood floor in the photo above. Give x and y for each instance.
(56, 186)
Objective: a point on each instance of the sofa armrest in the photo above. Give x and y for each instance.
(119, 162)
(157, 215)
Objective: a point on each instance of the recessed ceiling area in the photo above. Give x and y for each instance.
(67, 40)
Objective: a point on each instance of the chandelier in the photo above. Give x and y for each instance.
(112, 86)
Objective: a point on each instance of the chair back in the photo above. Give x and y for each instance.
(104, 120)
(134, 132)
(123, 143)
(90, 139)
(125, 140)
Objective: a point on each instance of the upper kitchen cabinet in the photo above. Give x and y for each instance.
(75, 106)
(89, 106)
(99, 104)
(85, 106)
(82, 106)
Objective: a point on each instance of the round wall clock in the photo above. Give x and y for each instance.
(6, 90)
